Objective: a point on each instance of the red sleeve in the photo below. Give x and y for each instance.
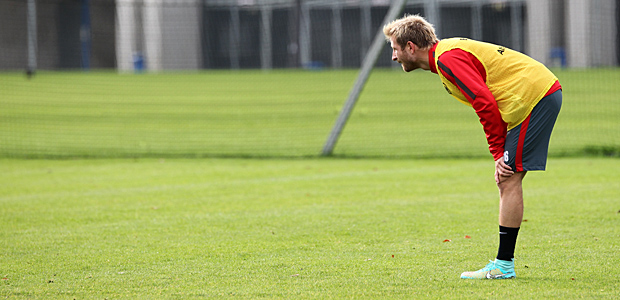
(466, 72)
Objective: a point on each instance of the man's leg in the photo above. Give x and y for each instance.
(511, 200)
(510, 218)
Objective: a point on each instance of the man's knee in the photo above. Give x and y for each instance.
(512, 182)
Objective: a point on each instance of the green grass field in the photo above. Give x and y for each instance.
(307, 228)
(143, 186)
(273, 114)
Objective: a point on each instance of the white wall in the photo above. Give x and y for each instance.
(166, 33)
(591, 33)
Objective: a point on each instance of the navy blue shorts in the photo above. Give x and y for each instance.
(527, 144)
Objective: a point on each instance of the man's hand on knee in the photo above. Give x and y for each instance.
(502, 170)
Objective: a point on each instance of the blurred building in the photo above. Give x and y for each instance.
(157, 35)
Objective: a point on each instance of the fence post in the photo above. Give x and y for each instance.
(32, 38)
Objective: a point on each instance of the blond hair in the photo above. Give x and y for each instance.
(412, 28)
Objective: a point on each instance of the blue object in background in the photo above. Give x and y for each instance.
(558, 53)
(138, 62)
(85, 37)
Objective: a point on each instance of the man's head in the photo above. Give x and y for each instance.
(411, 37)
(411, 28)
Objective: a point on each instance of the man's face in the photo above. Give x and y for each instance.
(403, 55)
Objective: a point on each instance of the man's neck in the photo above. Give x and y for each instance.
(424, 63)
(423, 60)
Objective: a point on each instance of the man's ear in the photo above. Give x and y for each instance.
(413, 46)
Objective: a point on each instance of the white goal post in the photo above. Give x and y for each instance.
(369, 62)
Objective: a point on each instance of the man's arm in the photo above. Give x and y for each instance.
(468, 74)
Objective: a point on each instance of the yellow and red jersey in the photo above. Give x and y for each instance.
(502, 85)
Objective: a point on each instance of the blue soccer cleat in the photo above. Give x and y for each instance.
(498, 269)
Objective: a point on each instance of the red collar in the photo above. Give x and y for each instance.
(431, 59)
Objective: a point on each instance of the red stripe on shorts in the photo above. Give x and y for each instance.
(519, 155)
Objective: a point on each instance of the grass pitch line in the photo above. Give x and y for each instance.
(105, 192)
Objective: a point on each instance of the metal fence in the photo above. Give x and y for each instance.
(155, 35)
